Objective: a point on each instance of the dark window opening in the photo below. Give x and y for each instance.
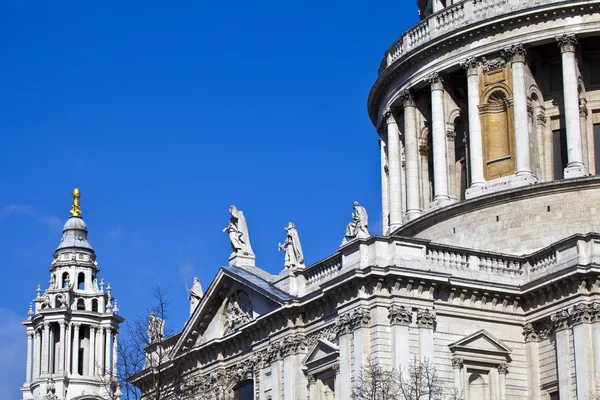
(80, 304)
(95, 305)
(597, 148)
(559, 147)
(80, 281)
(244, 391)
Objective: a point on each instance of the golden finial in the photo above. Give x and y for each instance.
(75, 209)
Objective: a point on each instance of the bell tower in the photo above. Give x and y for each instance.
(72, 325)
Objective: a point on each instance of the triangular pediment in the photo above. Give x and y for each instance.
(236, 297)
(322, 352)
(480, 343)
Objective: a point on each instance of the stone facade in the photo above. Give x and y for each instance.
(487, 112)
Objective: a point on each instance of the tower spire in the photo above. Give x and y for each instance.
(75, 208)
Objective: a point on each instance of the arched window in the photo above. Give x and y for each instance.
(65, 277)
(80, 304)
(95, 305)
(80, 281)
(498, 134)
(244, 391)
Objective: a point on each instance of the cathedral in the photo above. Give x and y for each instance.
(488, 120)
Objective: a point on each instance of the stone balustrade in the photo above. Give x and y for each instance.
(453, 18)
(380, 251)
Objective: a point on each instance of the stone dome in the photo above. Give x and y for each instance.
(74, 235)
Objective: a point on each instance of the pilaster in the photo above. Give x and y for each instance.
(400, 319)
(426, 324)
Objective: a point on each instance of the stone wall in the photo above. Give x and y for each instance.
(515, 221)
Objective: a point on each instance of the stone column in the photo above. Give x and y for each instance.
(29, 356)
(438, 136)
(92, 352)
(45, 348)
(37, 356)
(575, 167)
(595, 313)
(522, 140)
(107, 349)
(69, 345)
(533, 361)
(400, 319)
(457, 365)
(502, 371)
(385, 205)
(475, 141)
(583, 347)
(394, 166)
(344, 331)
(100, 351)
(62, 351)
(561, 323)
(275, 377)
(426, 324)
(114, 354)
(312, 387)
(76, 346)
(413, 201)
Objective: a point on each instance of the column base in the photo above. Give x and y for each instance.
(439, 203)
(497, 185)
(575, 171)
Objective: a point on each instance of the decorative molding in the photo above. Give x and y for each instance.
(493, 63)
(529, 333)
(399, 315)
(503, 368)
(567, 42)
(425, 318)
(457, 363)
(353, 320)
(471, 65)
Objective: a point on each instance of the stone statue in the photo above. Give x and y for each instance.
(238, 311)
(50, 390)
(359, 227)
(294, 258)
(156, 328)
(238, 232)
(195, 294)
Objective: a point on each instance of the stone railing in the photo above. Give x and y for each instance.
(542, 260)
(447, 257)
(324, 269)
(452, 18)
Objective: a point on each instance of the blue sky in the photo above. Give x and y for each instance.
(164, 115)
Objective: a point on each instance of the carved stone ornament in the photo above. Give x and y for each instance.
(156, 328)
(583, 110)
(580, 314)
(493, 63)
(399, 315)
(503, 368)
(352, 320)
(388, 115)
(471, 65)
(425, 318)
(358, 228)
(238, 311)
(457, 363)
(50, 390)
(516, 53)
(529, 333)
(567, 42)
(312, 380)
(407, 98)
(435, 81)
(560, 320)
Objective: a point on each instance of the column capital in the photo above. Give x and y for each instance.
(471, 65)
(567, 42)
(76, 325)
(407, 98)
(560, 320)
(30, 334)
(336, 369)
(580, 314)
(529, 333)
(388, 115)
(435, 81)
(399, 315)
(457, 363)
(503, 368)
(541, 119)
(516, 53)
(46, 325)
(425, 318)
(583, 110)
(312, 380)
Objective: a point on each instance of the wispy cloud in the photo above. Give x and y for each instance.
(115, 233)
(28, 211)
(13, 343)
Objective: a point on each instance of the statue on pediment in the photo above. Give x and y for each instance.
(195, 294)
(359, 227)
(238, 311)
(238, 232)
(294, 257)
(156, 328)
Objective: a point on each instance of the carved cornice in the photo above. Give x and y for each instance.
(516, 53)
(567, 42)
(425, 318)
(399, 315)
